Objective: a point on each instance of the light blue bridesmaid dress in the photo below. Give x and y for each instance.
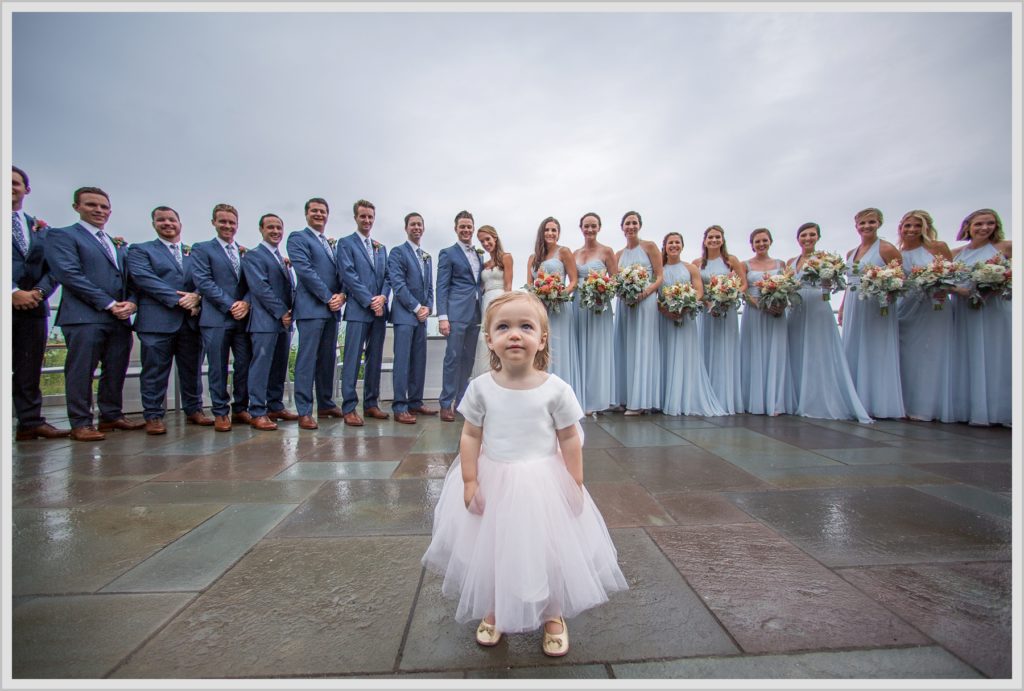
(764, 358)
(638, 351)
(687, 388)
(595, 337)
(817, 361)
(983, 354)
(720, 343)
(562, 342)
(926, 347)
(872, 344)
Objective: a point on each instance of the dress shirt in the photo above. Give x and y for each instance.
(26, 232)
(423, 265)
(90, 228)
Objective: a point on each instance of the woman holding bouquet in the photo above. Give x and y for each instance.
(595, 324)
(719, 328)
(553, 259)
(983, 323)
(496, 278)
(926, 329)
(637, 353)
(687, 387)
(764, 359)
(871, 336)
(817, 361)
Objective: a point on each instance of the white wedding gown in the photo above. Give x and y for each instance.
(494, 285)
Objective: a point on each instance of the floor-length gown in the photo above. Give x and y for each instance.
(686, 386)
(817, 362)
(983, 353)
(720, 342)
(595, 338)
(493, 281)
(764, 358)
(562, 343)
(926, 347)
(872, 344)
(638, 350)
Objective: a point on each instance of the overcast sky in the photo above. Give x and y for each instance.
(738, 119)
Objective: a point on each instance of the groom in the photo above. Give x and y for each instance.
(458, 312)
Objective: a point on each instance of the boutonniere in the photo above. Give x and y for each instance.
(118, 241)
(478, 251)
(376, 245)
(186, 250)
(287, 262)
(426, 257)
(333, 242)
(242, 250)
(39, 224)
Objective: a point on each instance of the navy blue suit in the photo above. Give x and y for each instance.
(90, 283)
(221, 333)
(412, 282)
(29, 328)
(458, 297)
(318, 279)
(271, 295)
(165, 329)
(364, 331)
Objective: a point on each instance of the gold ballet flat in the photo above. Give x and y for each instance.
(487, 634)
(556, 644)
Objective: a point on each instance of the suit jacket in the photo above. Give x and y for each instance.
(216, 281)
(90, 280)
(458, 294)
(157, 278)
(317, 273)
(31, 271)
(270, 290)
(362, 280)
(410, 283)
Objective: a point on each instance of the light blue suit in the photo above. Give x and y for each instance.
(413, 284)
(458, 296)
(271, 295)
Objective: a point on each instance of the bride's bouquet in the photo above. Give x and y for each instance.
(597, 290)
(884, 283)
(680, 300)
(632, 281)
(938, 278)
(722, 294)
(825, 269)
(550, 289)
(993, 277)
(778, 291)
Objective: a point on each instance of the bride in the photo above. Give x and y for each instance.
(496, 279)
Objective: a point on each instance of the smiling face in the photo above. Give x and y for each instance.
(808, 238)
(552, 231)
(516, 330)
(414, 229)
(364, 219)
(590, 227)
(982, 227)
(760, 243)
(18, 190)
(272, 230)
(867, 227)
(167, 225)
(464, 229)
(486, 241)
(673, 245)
(713, 239)
(316, 216)
(93, 208)
(226, 224)
(631, 226)
(912, 229)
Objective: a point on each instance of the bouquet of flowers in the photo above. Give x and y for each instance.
(632, 281)
(938, 278)
(778, 291)
(993, 277)
(550, 289)
(722, 293)
(597, 291)
(884, 283)
(826, 269)
(679, 300)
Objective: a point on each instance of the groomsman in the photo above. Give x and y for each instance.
(411, 277)
(458, 310)
(217, 272)
(32, 287)
(167, 322)
(363, 269)
(271, 295)
(318, 302)
(95, 306)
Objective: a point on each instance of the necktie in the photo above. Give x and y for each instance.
(106, 248)
(280, 260)
(176, 253)
(369, 248)
(19, 233)
(326, 245)
(423, 262)
(233, 257)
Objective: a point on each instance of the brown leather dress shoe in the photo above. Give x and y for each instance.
(352, 419)
(376, 413)
(307, 422)
(156, 426)
(405, 418)
(87, 433)
(263, 423)
(43, 431)
(122, 423)
(286, 415)
(423, 410)
(243, 417)
(222, 423)
(199, 418)
(447, 414)
(330, 412)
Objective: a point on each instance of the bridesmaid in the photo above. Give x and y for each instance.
(983, 356)
(595, 333)
(872, 341)
(495, 279)
(764, 359)
(926, 334)
(637, 353)
(720, 336)
(551, 258)
(817, 362)
(687, 387)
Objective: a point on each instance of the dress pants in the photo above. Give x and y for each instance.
(28, 346)
(268, 371)
(89, 345)
(186, 348)
(314, 364)
(360, 337)
(218, 341)
(459, 352)
(410, 366)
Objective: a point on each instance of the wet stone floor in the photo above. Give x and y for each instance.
(754, 547)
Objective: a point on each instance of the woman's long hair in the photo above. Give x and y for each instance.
(540, 247)
(499, 251)
(704, 248)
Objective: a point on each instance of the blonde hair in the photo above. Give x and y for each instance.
(543, 356)
(928, 233)
(868, 211)
(965, 227)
